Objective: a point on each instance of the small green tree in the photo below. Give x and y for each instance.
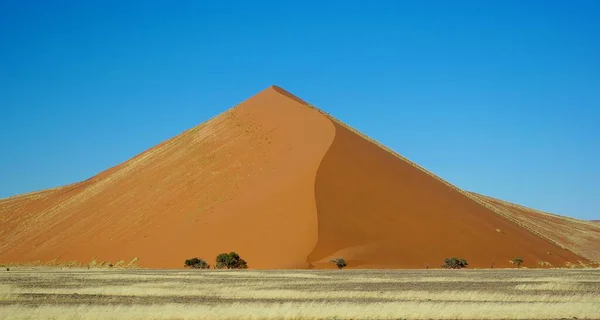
(454, 263)
(230, 260)
(517, 261)
(196, 263)
(339, 262)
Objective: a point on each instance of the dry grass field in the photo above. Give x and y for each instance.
(52, 293)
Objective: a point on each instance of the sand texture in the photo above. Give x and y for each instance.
(580, 236)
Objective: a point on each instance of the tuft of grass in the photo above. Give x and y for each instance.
(544, 263)
(119, 264)
(133, 263)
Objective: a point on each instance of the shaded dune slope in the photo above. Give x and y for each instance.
(379, 211)
(281, 183)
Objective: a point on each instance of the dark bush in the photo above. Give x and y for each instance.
(196, 263)
(230, 260)
(454, 263)
(339, 262)
(517, 261)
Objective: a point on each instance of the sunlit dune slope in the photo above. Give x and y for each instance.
(582, 237)
(281, 183)
(242, 181)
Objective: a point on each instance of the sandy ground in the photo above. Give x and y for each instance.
(297, 294)
(282, 184)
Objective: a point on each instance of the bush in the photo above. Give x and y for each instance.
(339, 262)
(196, 263)
(454, 263)
(230, 260)
(517, 261)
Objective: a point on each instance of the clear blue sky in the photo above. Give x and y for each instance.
(498, 97)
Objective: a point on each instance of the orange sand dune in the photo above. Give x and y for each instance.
(281, 183)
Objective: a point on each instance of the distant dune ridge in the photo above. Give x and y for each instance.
(286, 186)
